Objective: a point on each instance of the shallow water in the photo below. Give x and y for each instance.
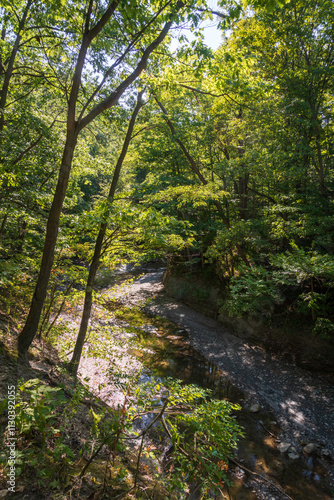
(165, 350)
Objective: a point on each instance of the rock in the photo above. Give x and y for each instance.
(325, 452)
(283, 447)
(3, 493)
(310, 448)
(149, 328)
(239, 473)
(293, 456)
(255, 408)
(307, 473)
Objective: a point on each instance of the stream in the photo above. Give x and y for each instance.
(159, 336)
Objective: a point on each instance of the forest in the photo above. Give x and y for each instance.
(126, 140)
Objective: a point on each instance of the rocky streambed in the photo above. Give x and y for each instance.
(287, 412)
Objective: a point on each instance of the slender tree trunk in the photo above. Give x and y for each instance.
(73, 128)
(22, 233)
(74, 363)
(312, 293)
(3, 224)
(196, 170)
(27, 335)
(9, 71)
(47, 313)
(67, 291)
(320, 168)
(243, 196)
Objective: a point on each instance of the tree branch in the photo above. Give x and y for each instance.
(113, 98)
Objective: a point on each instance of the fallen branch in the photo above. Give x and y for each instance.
(265, 428)
(160, 415)
(259, 475)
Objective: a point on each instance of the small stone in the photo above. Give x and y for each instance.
(3, 493)
(283, 447)
(307, 473)
(325, 452)
(310, 448)
(293, 456)
(239, 473)
(255, 408)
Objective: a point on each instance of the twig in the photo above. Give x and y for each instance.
(122, 495)
(265, 428)
(92, 457)
(138, 458)
(259, 475)
(252, 472)
(173, 411)
(96, 453)
(170, 436)
(160, 415)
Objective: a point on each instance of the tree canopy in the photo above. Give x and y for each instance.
(229, 166)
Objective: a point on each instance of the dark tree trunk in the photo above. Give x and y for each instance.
(243, 196)
(30, 328)
(320, 166)
(22, 233)
(196, 170)
(74, 363)
(9, 70)
(3, 224)
(28, 333)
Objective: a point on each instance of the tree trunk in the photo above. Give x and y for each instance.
(243, 196)
(74, 363)
(22, 229)
(320, 168)
(196, 170)
(73, 128)
(9, 71)
(27, 335)
(3, 224)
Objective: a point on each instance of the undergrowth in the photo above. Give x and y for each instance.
(118, 451)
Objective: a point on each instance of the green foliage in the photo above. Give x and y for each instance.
(324, 328)
(37, 411)
(304, 265)
(253, 291)
(42, 437)
(243, 185)
(203, 431)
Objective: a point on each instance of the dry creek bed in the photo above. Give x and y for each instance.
(302, 403)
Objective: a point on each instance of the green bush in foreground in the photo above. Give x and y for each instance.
(202, 433)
